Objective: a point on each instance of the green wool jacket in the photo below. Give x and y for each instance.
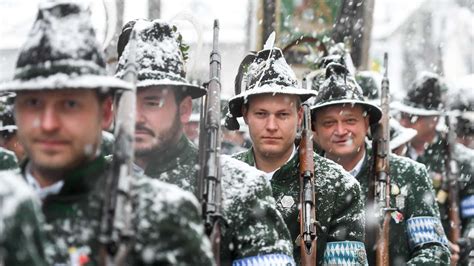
(434, 159)
(8, 160)
(22, 241)
(254, 231)
(417, 238)
(166, 221)
(339, 208)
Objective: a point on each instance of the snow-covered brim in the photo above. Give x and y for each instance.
(192, 90)
(235, 103)
(63, 81)
(400, 106)
(374, 112)
(405, 136)
(243, 127)
(195, 117)
(9, 128)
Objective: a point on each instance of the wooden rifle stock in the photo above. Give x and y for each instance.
(116, 231)
(209, 189)
(307, 215)
(452, 173)
(382, 173)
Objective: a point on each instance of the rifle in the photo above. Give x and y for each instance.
(382, 173)
(209, 188)
(116, 231)
(307, 215)
(452, 173)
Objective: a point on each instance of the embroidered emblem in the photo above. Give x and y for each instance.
(397, 216)
(395, 190)
(78, 256)
(287, 202)
(361, 256)
(400, 201)
(437, 179)
(442, 196)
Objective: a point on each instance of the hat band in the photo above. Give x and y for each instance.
(69, 67)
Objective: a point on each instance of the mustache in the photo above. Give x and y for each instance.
(144, 129)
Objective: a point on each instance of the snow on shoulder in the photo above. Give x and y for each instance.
(162, 193)
(13, 192)
(239, 178)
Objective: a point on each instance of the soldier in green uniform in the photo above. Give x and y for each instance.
(62, 104)
(421, 109)
(269, 102)
(8, 137)
(8, 160)
(341, 120)
(22, 241)
(255, 233)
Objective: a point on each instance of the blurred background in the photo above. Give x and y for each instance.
(417, 34)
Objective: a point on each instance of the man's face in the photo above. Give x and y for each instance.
(159, 121)
(61, 129)
(340, 130)
(273, 121)
(424, 125)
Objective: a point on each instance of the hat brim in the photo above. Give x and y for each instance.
(400, 106)
(189, 89)
(236, 102)
(64, 81)
(375, 113)
(9, 128)
(406, 135)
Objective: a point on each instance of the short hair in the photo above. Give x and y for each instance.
(297, 105)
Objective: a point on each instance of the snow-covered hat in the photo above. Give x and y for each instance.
(7, 121)
(341, 88)
(370, 82)
(424, 97)
(399, 135)
(264, 72)
(462, 104)
(160, 54)
(62, 52)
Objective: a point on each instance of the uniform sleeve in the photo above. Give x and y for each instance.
(465, 159)
(25, 242)
(256, 232)
(170, 230)
(8, 160)
(427, 240)
(345, 243)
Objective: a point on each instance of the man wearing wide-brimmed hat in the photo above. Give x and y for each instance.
(62, 103)
(341, 121)
(8, 137)
(253, 230)
(268, 97)
(421, 109)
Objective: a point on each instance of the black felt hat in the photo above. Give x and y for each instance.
(424, 97)
(340, 88)
(62, 52)
(160, 54)
(265, 72)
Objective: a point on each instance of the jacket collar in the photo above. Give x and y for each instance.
(78, 181)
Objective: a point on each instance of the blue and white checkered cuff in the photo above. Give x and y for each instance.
(467, 207)
(345, 253)
(266, 260)
(425, 229)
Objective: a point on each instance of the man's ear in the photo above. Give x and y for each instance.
(107, 113)
(300, 116)
(244, 113)
(185, 109)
